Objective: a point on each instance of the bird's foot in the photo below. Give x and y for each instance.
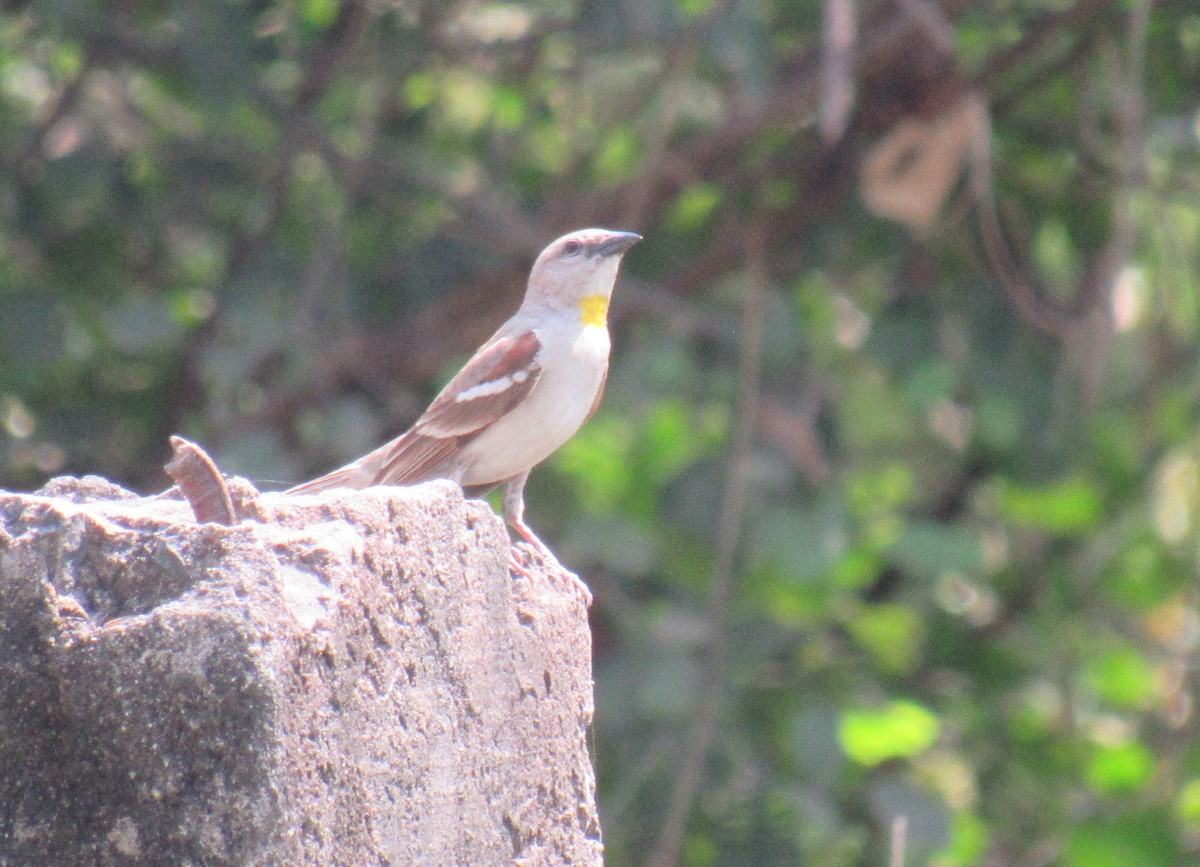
(574, 584)
(522, 557)
(535, 543)
(517, 563)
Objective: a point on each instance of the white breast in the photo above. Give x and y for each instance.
(573, 359)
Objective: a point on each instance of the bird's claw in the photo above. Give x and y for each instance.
(574, 584)
(519, 563)
(516, 563)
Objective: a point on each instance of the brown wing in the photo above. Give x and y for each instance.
(495, 380)
(414, 458)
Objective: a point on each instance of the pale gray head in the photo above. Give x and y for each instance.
(578, 271)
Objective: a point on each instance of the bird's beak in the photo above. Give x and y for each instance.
(616, 243)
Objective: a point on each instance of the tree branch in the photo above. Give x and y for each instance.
(711, 701)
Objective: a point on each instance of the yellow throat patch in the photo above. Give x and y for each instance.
(593, 310)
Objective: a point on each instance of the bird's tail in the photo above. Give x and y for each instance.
(345, 477)
(362, 473)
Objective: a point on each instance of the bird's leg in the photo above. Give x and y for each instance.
(513, 505)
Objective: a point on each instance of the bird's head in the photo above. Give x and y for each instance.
(578, 270)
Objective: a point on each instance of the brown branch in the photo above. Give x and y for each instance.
(711, 700)
(1039, 34)
(1086, 321)
(933, 20)
(795, 434)
(719, 155)
(1095, 345)
(1026, 300)
(839, 29)
(899, 841)
(681, 57)
(68, 99)
(1033, 78)
(796, 91)
(340, 39)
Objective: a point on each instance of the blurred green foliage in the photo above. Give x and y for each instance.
(964, 587)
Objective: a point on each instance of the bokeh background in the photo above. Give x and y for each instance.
(891, 507)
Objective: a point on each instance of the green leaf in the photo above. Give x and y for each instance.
(856, 569)
(466, 100)
(935, 550)
(968, 843)
(66, 59)
(420, 90)
(694, 8)
(1121, 768)
(872, 415)
(319, 14)
(901, 730)
(1122, 677)
(879, 490)
(1055, 253)
(671, 440)
(891, 634)
(140, 325)
(805, 544)
(1065, 507)
(1144, 577)
(598, 459)
(618, 157)
(508, 108)
(1187, 803)
(693, 207)
(929, 383)
(998, 422)
(1128, 840)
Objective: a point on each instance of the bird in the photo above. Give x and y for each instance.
(523, 394)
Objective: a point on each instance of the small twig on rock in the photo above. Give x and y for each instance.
(201, 483)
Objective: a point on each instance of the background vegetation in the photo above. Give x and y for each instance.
(891, 508)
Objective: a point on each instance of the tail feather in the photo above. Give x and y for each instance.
(406, 460)
(346, 477)
(362, 473)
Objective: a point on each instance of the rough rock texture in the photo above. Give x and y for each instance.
(351, 679)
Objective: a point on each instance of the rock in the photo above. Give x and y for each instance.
(352, 678)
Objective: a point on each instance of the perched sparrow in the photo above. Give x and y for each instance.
(522, 395)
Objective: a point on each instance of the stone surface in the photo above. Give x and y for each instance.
(350, 679)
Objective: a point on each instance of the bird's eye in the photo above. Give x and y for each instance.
(572, 247)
